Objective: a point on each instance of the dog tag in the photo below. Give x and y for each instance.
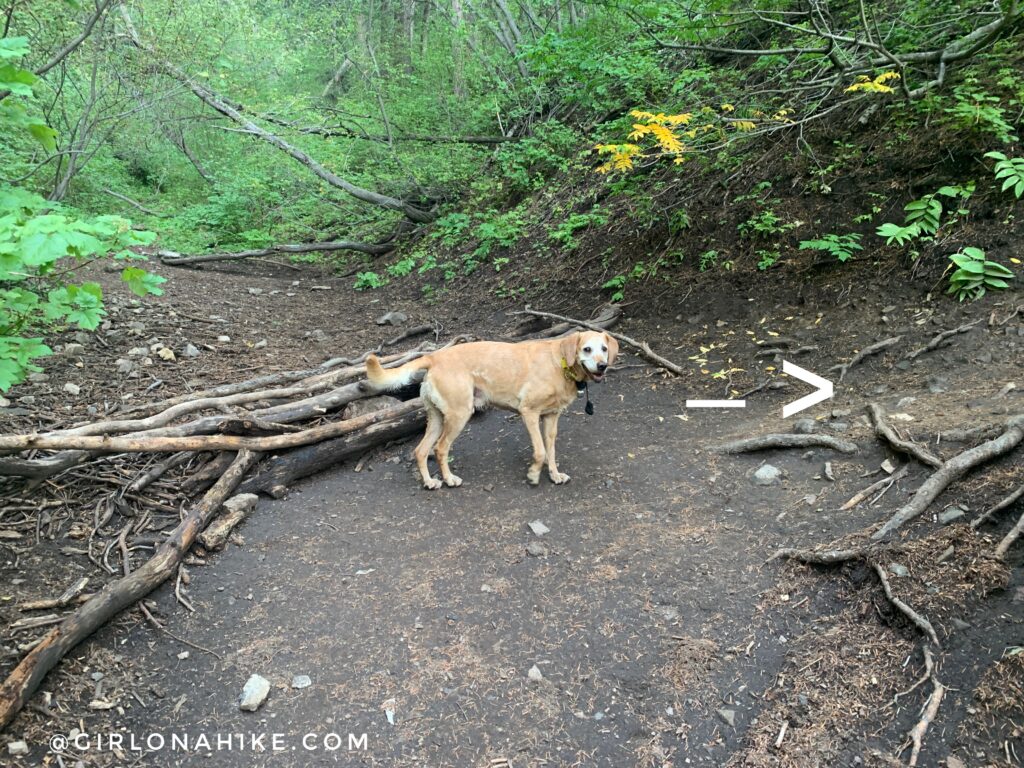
(589, 408)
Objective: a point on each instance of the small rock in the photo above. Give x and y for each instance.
(97, 676)
(183, 655)
(888, 467)
(16, 748)
(898, 570)
(937, 384)
(255, 291)
(27, 400)
(985, 357)
(728, 716)
(879, 389)
(261, 344)
(38, 378)
(905, 402)
(486, 588)
(166, 354)
(805, 427)
(72, 389)
(841, 413)
(317, 336)
(839, 426)
(903, 365)
(887, 310)
(4, 402)
(124, 365)
(767, 475)
(190, 351)
(224, 338)
(73, 350)
(301, 681)
(535, 674)
(254, 693)
(138, 352)
(243, 502)
(539, 528)
(955, 762)
(951, 514)
(599, 716)
(536, 549)
(392, 318)
(829, 475)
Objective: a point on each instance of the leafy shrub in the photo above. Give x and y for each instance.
(367, 280)
(527, 164)
(840, 246)
(564, 233)
(924, 216)
(1010, 170)
(975, 274)
(498, 230)
(402, 267)
(708, 260)
(974, 109)
(767, 259)
(765, 223)
(451, 228)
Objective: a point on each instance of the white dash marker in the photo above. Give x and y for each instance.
(716, 403)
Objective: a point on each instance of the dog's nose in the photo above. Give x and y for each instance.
(602, 367)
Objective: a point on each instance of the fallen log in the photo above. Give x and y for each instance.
(116, 596)
(175, 259)
(767, 442)
(951, 471)
(277, 473)
(236, 509)
(608, 316)
(158, 443)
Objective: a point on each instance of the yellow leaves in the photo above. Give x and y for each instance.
(666, 139)
(744, 125)
(620, 156)
(878, 85)
(661, 118)
(728, 108)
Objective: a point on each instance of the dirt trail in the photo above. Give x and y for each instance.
(661, 635)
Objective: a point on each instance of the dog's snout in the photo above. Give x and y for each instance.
(602, 367)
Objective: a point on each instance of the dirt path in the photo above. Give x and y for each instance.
(661, 635)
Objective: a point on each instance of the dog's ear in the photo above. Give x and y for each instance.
(613, 347)
(568, 347)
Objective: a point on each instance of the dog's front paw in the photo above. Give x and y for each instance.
(452, 481)
(432, 484)
(559, 477)
(533, 477)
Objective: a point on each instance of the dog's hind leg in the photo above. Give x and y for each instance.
(532, 421)
(550, 421)
(435, 424)
(454, 422)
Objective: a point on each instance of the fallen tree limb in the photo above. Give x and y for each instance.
(66, 598)
(136, 204)
(767, 442)
(236, 509)
(916, 619)
(645, 350)
(607, 316)
(930, 711)
(824, 556)
(888, 480)
(874, 349)
(941, 337)
(158, 444)
(951, 471)
(116, 596)
(886, 431)
(276, 474)
(997, 508)
(1009, 538)
(175, 259)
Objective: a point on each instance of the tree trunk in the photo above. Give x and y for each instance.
(174, 259)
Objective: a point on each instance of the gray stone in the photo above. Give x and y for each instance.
(38, 378)
(728, 716)
(255, 291)
(535, 674)
(392, 318)
(951, 514)
(839, 426)
(261, 344)
(905, 401)
(767, 475)
(73, 350)
(301, 681)
(898, 570)
(224, 338)
(124, 365)
(539, 528)
(937, 384)
(138, 352)
(902, 365)
(317, 336)
(536, 549)
(27, 400)
(254, 693)
(4, 402)
(960, 623)
(16, 748)
(952, 761)
(191, 350)
(243, 502)
(841, 413)
(72, 389)
(805, 426)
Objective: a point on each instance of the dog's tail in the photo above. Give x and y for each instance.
(396, 378)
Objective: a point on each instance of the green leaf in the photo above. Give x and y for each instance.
(141, 282)
(13, 47)
(45, 135)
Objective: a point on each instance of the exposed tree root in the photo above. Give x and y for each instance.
(1009, 538)
(885, 482)
(857, 359)
(886, 431)
(116, 596)
(645, 351)
(937, 340)
(931, 709)
(766, 442)
(175, 259)
(951, 471)
(606, 317)
(823, 556)
(1009, 501)
(916, 619)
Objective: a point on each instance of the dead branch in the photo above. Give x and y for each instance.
(997, 508)
(236, 509)
(886, 431)
(66, 598)
(941, 337)
(606, 317)
(951, 471)
(135, 203)
(824, 556)
(151, 442)
(874, 349)
(887, 481)
(1013, 534)
(917, 619)
(116, 596)
(175, 259)
(930, 711)
(767, 442)
(645, 350)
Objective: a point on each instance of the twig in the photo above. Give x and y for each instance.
(155, 623)
(645, 350)
(1009, 538)
(886, 481)
(823, 557)
(951, 471)
(874, 349)
(765, 442)
(885, 430)
(69, 596)
(941, 337)
(999, 507)
(930, 711)
(917, 619)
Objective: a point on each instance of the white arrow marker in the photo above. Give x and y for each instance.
(824, 389)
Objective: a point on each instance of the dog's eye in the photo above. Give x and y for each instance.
(586, 349)
(604, 349)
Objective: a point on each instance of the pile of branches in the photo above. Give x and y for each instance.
(156, 478)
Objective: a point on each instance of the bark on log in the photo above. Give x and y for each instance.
(236, 509)
(116, 596)
(175, 259)
(769, 442)
(278, 472)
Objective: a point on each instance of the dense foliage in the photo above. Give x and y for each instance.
(235, 124)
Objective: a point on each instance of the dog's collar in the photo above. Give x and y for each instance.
(570, 375)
